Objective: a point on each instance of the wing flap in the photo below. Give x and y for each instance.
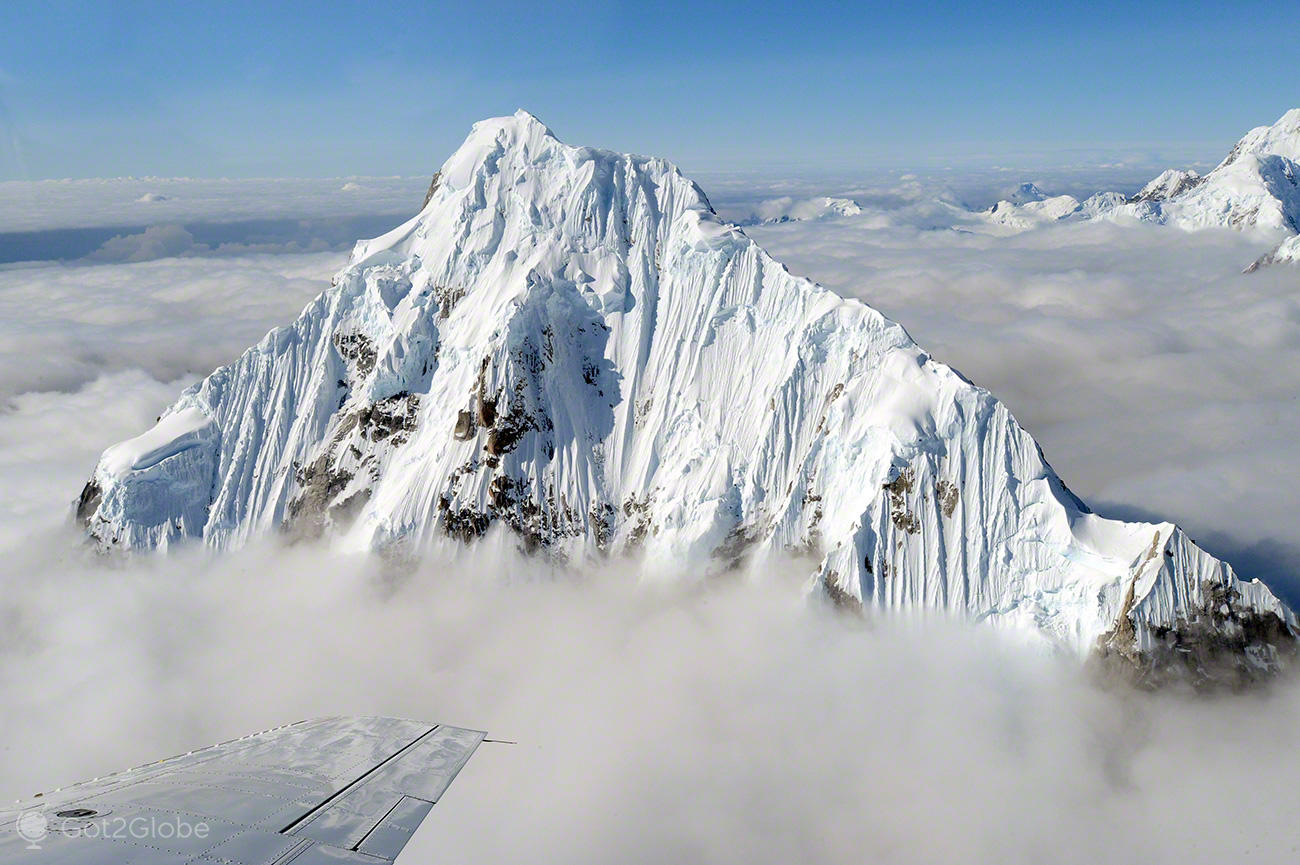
(387, 838)
(420, 772)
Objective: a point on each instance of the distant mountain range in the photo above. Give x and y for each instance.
(1256, 186)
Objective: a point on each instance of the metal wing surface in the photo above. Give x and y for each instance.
(335, 790)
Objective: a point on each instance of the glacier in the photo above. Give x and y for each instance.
(568, 347)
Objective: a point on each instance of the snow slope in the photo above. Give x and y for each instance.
(1287, 252)
(1031, 214)
(1256, 186)
(1029, 207)
(788, 209)
(1167, 184)
(570, 344)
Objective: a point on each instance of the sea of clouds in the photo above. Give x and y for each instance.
(720, 723)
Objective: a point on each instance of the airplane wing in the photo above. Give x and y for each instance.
(336, 790)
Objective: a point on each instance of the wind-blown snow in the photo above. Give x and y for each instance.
(571, 343)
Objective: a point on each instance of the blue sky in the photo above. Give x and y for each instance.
(329, 89)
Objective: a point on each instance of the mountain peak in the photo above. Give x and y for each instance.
(1025, 193)
(489, 139)
(1256, 186)
(568, 350)
(1280, 139)
(524, 124)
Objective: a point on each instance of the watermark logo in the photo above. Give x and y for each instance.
(32, 827)
(35, 826)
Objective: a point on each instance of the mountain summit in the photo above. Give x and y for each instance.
(568, 345)
(1256, 185)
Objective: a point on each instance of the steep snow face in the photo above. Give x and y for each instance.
(1254, 190)
(1167, 184)
(1256, 186)
(1280, 139)
(569, 344)
(1287, 252)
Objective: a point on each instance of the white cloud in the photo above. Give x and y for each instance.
(50, 442)
(723, 724)
(60, 204)
(711, 724)
(156, 241)
(63, 325)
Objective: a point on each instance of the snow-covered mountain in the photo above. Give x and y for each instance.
(570, 346)
(1027, 207)
(1025, 193)
(789, 209)
(1256, 186)
(1287, 252)
(1167, 184)
(1031, 213)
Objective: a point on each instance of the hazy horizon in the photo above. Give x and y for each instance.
(247, 90)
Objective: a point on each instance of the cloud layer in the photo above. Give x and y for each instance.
(713, 724)
(706, 723)
(28, 206)
(64, 325)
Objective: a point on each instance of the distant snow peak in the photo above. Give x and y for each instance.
(1030, 212)
(1256, 186)
(1026, 193)
(568, 347)
(1167, 184)
(788, 209)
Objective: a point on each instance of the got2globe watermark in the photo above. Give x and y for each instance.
(36, 826)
